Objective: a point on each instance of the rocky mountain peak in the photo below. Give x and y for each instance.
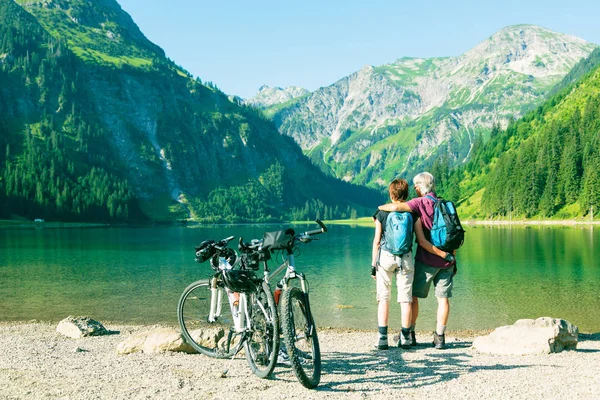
(529, 49)
(406, 113)
(269, 96)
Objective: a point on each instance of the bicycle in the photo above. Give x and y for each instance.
(250, 321)
(204, 321)
(297, 322)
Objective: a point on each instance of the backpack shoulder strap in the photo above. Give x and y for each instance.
(431, 198)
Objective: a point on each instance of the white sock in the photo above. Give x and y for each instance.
(441, 329)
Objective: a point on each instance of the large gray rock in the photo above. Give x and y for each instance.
(528, 336)
(78, 327)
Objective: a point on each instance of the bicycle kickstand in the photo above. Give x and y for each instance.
(226, 370)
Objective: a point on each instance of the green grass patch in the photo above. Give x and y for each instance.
(88, 55)
(274, 109)
(363, 221)
(568, 211)
(470, 208)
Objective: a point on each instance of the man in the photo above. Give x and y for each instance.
(429, 267)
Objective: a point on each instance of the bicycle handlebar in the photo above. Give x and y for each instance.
(253, 245)
(302, 237)
(223, 242)
(316, 231)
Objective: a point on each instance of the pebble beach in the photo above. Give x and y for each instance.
(36, 362)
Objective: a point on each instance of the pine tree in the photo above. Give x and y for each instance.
(591, 184)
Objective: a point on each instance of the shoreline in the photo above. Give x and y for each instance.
(548, 222)
(37, 362)
(25, 224)
(462, 333)
(368, 221)
(363, 222)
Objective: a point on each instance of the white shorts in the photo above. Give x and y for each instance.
(403, 268)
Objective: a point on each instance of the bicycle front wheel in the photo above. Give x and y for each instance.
(262, 346)
(300, 335)
(205, 319)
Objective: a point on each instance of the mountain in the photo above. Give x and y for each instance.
(398, 118)
(99, 125)
(545, 164)
(269, 96)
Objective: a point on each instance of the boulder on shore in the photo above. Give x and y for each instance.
(155, 341)
(161, 340)
(528, 336)
(78, 327)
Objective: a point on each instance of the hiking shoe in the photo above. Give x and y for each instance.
(404, 342)
(413, 339)
(382, 343)
(439, 341)
(282, 358)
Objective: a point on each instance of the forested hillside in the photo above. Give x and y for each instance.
(545, 164)
(55, 163)
(97, 125)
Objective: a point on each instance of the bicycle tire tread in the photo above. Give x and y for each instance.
(288, 328)
(184, 332)
(274, 352)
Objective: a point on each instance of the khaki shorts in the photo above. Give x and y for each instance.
(442, 279)
(404, 270)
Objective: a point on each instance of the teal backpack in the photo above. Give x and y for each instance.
(398, 233)
(447, 233)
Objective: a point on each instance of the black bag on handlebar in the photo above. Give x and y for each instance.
(251, 260)
(278, 240)
(205, 250)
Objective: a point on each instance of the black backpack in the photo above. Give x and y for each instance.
(447, 233)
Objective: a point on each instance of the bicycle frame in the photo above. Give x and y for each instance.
(241, 316)
(240, 319)
(289, 264)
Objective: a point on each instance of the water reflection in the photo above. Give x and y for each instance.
(136, 275)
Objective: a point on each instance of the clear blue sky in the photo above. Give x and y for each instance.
(240, 45)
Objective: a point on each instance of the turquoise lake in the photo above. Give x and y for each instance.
(135, 275)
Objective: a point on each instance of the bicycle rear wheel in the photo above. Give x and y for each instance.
(262, 347)
(209, 336)
(300, 336)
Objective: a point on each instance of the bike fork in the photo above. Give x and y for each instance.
(309, 318)
(215, 302)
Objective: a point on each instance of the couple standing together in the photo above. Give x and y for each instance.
(413, 279)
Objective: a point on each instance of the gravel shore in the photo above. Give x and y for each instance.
(36, 362)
